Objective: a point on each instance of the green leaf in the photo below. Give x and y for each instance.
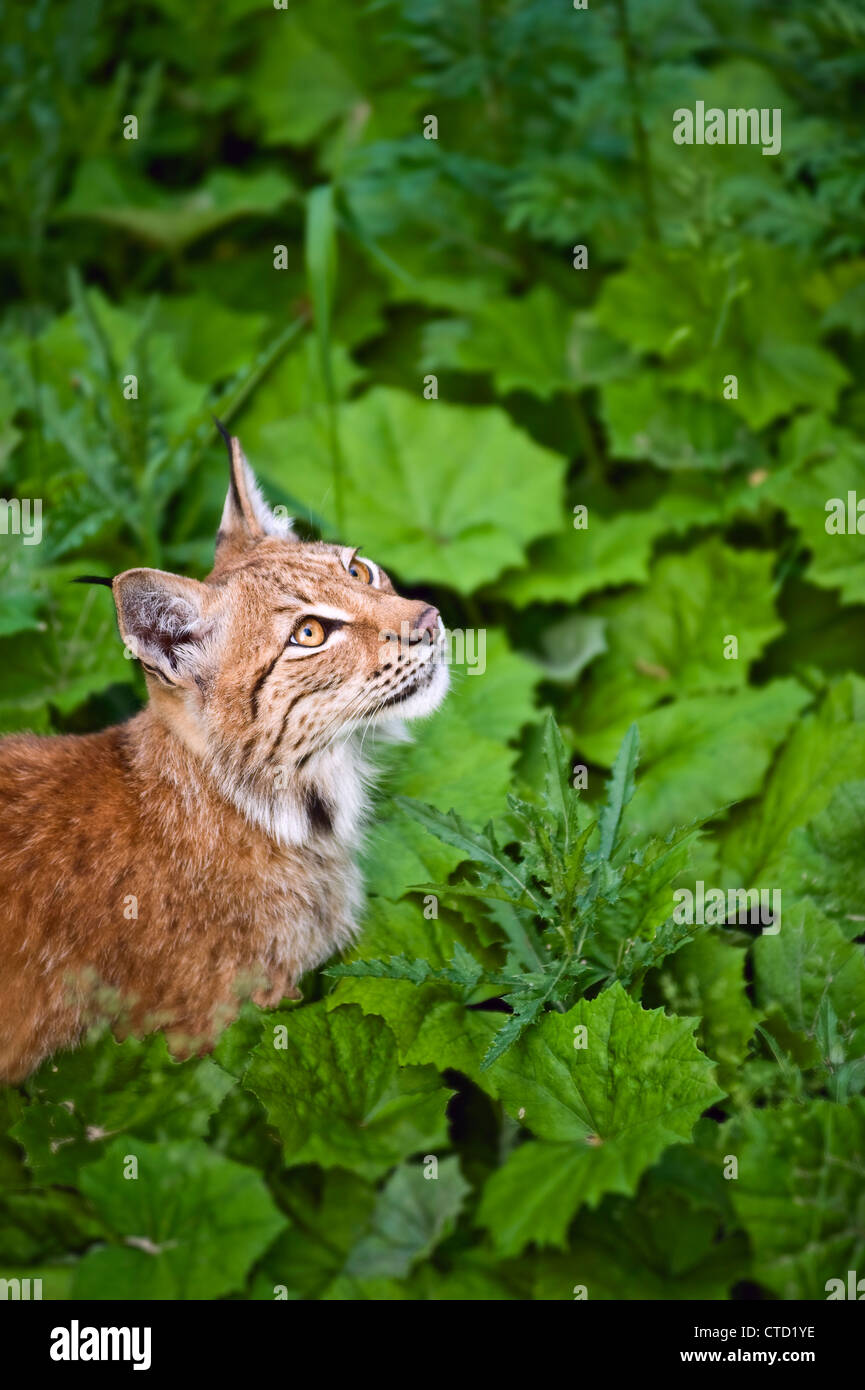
(820, 636)
(189, 1226)
(712, 316)
(844, 296)
(826, 748)
(553, 845)
(603, 1114)
(807, 962)
(703, 753)
(296, 386)
(823, 860)
(620, 789)
(337, 1096)
(494, 866)
(527, 1007)
(328, 1213)
(81, 1100)
(418, 929)
(428, 1024)
(299, 85)
(172, 221)
(663, 1245)
(537, 343)
(211, 339)
(799, 1193)
(560, 796)
(645, 420)
(413, 1214)
(707, 979)
(37, 1227)
(824, 468)
(609, 551)
(671, 638)
(631, 927)
(76, 653)
(429, 1021)
(475, 1276)
(568, 645)
(20, 612)
(496, 490)
(394, 968)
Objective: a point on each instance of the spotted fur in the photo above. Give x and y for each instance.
(160, 871)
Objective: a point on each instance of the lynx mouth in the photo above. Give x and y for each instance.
(429, 684)
(419, 683)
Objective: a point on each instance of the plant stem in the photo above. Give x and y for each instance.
(641, 141)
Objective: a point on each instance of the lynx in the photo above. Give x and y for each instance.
(160, 871)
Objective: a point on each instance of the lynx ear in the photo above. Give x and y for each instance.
(246, 517)
(161, 620)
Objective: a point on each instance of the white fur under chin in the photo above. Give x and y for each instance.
(338, 774)
(425, 701)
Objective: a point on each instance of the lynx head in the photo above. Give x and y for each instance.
(268, 667)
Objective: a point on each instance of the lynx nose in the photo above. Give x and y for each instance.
(427, 624)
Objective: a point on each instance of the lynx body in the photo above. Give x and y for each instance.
(159, 872)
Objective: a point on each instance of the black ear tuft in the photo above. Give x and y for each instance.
(225, 434)
(232, 464)
(92, 579)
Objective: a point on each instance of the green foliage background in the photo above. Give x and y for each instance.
(302, 1167)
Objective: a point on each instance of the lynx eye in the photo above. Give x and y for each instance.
(358, 570)
(308, 633)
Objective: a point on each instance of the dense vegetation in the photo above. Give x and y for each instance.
(514, 899)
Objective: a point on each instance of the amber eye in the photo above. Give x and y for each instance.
(308, 633)
(358, 570)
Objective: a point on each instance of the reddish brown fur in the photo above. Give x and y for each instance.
(224, 815)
